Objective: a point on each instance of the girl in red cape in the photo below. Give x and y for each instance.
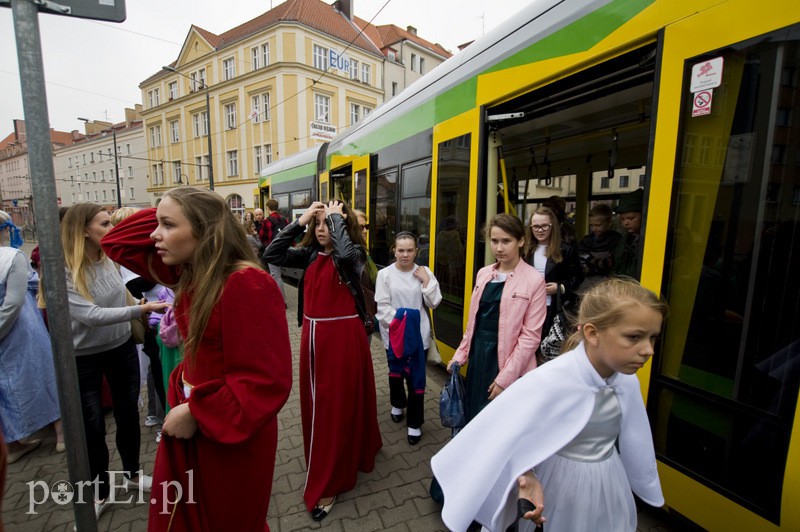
(214, 465)
(337, 384)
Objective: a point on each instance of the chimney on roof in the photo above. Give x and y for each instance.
(345, 7)
(412, 30)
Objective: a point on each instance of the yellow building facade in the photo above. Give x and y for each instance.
(278, 84)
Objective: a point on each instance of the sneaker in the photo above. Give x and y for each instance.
(99, 508)
(158, 436)
(152, 421)
(144, 482)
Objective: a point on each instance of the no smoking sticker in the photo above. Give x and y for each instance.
(701, 103)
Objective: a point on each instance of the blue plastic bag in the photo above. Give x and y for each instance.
(451, 403)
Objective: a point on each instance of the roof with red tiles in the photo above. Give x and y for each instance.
(320, 16)
(6, 142)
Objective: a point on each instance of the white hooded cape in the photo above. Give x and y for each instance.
(526, 424)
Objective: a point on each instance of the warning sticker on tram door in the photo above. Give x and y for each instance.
(706, 75)
(701, 103)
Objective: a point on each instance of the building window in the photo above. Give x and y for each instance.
(114, 194)
(394, 88)
(641, 181)
(94, 177)
(391, 55)
(365, 111)
(624, 181)
(96, 196)
(174, 131)
(103, 175)
(260, 56)
(265, 54)
(267, 154)
(131, 193)
(421, 65)
(236, 204)
(257, 157)
(176, 172)
(173, 90)
(256, 58)
(91, 157)
(84, 158)
(230, 116)
(105, 195)
(229, 68)
(69, 162)
(365, 73)
(605, 182)
(265, 100)
(256, 112)
(158, 174)
(198, 79)
(233, 163)
(353, 69)
(128, 148)
(414, 65)
(130, 172)
(354, 112)
(153, 96)
(155, 137)
(200, 124)
(320, 57)
(322, 106)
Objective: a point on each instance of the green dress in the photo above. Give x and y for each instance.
(170, 358)
(483, 368)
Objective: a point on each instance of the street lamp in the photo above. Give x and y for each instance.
(208, 131)
(116, 160)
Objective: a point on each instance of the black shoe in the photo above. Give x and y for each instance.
(321, 512)
(413, 440)
(397, 418)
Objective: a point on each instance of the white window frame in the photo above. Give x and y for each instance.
(155, 136)
(320, 56)
(200, 120)
(130, 172)
(366, 73)
(414, 65)
(421, 65)
(365, 111)
(267, 154)
(265, 55)
(255, 103)
(354, 69)
(158, 174)
(176, 172)
(265, 99)
(132, 193)
(229, 68)
(233, 163)
(322, 108)
(257, 158)
(355, 113)
(175, 131)
(255, 56)
(173, 90)
(230, 115)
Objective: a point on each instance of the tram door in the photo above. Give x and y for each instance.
(725, 390)
(454, 198)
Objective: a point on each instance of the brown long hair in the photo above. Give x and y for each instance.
(553, 250)
(511, 225)
(222, 249)
(351, 225)
(604, 305)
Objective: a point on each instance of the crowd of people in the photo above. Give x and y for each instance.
(221, 373)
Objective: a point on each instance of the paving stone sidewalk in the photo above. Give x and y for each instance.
(393, 497)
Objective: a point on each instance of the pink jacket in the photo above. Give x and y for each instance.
(522, 311)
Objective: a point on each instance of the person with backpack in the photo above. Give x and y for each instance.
(273, 223)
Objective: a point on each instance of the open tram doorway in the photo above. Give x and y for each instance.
(585, 138)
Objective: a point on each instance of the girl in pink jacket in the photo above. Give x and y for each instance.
(506, 314)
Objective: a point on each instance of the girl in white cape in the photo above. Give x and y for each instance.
(571, 436)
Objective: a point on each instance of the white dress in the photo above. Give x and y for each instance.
(585, 485)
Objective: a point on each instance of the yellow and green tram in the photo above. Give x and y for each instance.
(698, 103)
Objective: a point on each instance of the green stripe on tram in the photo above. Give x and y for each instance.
(579, 36)
(308, 169)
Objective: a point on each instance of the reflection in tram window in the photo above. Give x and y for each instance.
(383, 218)
(727, 387)
(452, 207)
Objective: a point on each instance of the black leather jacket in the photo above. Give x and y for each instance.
(349, 258)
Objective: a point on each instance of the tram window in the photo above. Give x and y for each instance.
(383, 218)
(300, 201)
(283, 203)
(726, 387)
(361, 190)
(415, 205)
(451, 229)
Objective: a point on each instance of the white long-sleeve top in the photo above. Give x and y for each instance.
(395, 289)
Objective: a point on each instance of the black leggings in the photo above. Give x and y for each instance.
(120, 366)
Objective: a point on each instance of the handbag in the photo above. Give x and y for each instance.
(451, 401)
(138, 326)
(550, 346)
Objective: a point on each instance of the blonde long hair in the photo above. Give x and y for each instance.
(605, 304)
(222, 249)
(553, 250)
(73, 240)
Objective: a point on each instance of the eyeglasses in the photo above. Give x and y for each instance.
(363, 226)
(541, 228)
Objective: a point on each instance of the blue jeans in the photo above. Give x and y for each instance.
(120, 366)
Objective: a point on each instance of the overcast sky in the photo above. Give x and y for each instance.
(93, 69)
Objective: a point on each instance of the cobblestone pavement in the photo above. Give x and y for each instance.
(392, 497)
